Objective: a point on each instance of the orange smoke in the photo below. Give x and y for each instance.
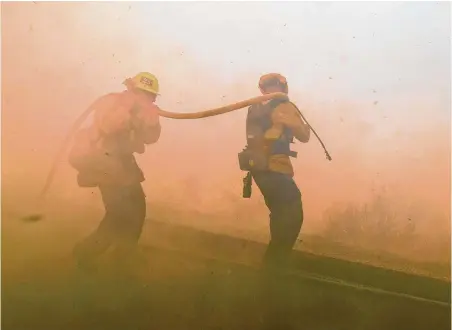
(55, 63)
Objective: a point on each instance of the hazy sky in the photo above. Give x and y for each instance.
(393, 47)
(366, 51)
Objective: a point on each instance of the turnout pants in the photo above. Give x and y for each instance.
(121, 227)
(283, 199)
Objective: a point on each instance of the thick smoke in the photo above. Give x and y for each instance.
(58, 57)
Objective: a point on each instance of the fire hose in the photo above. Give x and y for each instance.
(167, 114)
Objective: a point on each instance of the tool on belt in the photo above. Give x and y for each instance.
(258, 150)
(247, 185)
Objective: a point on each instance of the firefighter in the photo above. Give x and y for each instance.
(271, 127)
(103, 155)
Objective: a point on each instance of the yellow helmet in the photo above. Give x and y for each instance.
(146, 82)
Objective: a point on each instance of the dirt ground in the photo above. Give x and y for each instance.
(183, 289)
